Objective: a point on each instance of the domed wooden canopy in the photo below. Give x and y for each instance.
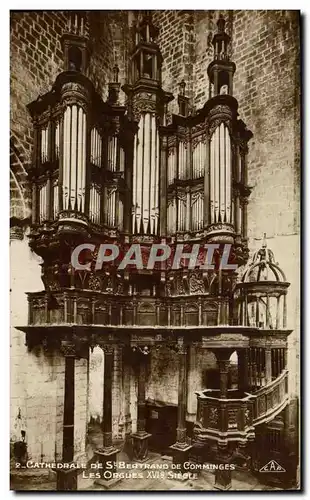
(263, 268)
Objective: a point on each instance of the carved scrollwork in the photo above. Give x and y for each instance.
(214, 124)
(94, 282)
(141, 349)
(213, 417)
(68, 348)
(247, 417)
(107, 348)
(196, 284)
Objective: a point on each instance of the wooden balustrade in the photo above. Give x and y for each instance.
(89, 307)
(237, 417)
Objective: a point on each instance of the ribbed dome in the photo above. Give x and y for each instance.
(262, 267)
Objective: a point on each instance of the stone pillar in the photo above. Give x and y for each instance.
(141, 437)
(108, 452)
(67, 478)
(181, 448)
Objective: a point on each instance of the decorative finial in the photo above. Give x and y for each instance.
(182, 86)
(115, 73)
(264, 243)
(221, 24)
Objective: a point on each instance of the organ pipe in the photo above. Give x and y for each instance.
(172, 165)
(57, 139)
(55, 200)
(94, 204)
(220, 176)
(182, 161)
(145, 195)
(74, 159)
(146, 173)
(44, 145)
(96, 148)
(199, 158)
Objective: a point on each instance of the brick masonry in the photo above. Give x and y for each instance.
(265, 48)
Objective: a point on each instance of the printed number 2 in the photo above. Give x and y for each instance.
(17, 465)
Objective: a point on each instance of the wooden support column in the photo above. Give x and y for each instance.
(66, 479)
(224, 368)
(268, 365)
(181, 448)
(108, 452)
(223, 477)
(243, 382)
(222, 356)
(141, 437)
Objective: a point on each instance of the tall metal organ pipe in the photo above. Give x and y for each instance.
(220, 176)
(74, 158)
(145, 196)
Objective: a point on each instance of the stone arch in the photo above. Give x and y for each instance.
(20, 198)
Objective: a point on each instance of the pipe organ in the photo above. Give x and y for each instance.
(109, 173)
(117, 169)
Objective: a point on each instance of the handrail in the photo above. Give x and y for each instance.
(270, 385)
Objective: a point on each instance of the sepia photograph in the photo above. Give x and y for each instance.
(155, 160)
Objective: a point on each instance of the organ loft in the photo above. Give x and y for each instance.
(105, 172)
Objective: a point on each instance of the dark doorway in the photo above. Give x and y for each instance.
(161, 422)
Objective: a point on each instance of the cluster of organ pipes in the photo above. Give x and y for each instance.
(197, 211)
(220, 176)
(111, 205)
(172, 166)
(44, 144)
(145, 190)
(199, 159)
(112, 153)
(185, 213)
(95, 204)
(74, 158)
(95, 148)
(43, 203)
(178, 165)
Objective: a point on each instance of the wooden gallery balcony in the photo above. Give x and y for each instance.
(83, 307)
